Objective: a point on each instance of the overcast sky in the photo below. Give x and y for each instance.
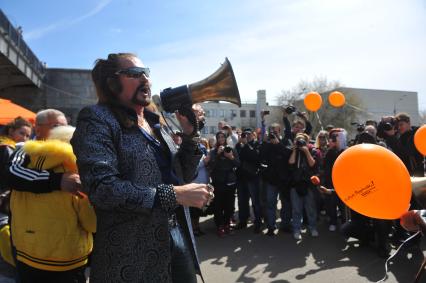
(272, 44)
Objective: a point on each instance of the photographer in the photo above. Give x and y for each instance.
(222, 165)
(274, 154)
(300, 125)
(303, 164)
(231, 136)
(399, 136)
(248, 176)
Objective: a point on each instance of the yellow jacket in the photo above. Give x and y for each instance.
(52, 231)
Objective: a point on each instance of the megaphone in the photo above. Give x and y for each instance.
(219, 86)
(418, 187)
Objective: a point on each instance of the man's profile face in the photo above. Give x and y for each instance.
(135, 91)
(403, 127)
(42, 130)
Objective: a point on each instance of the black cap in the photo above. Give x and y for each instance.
(248, 130)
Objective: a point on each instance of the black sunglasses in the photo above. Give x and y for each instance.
(134, 72)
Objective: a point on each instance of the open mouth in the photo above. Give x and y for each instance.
(145, 89)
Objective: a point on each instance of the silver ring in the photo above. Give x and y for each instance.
(211, 195)
(210, 188)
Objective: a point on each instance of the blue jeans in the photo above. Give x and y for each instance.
(249, 189)
(272, 193)
(299, 203)
(183, 269)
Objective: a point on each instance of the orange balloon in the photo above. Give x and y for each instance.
(420, 139)
(313, 101)
(336, 99)
(373, 181)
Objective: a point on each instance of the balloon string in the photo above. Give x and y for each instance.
(392, 256)
(322, 127)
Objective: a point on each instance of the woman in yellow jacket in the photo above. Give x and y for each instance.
(52, 232)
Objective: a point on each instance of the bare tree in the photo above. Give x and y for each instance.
(326, 115)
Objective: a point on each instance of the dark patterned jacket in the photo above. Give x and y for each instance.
(120, 173)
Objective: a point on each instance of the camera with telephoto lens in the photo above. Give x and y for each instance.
(227, 149)
(385, 126)
(300, 142)
(359, 127)
(290, 109)
(271, 136)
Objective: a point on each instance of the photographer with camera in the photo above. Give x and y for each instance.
(300, 125)
(222, 166)
(303, 162)
(274, 155)
(399, 136)
(231, 136)
(248, 180)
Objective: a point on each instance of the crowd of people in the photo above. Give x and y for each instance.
(262, 166)
(124, 193)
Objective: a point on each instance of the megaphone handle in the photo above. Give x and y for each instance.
(188, 113)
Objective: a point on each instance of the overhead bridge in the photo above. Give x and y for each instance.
(18, 64)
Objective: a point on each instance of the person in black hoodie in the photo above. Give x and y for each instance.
(304, 163)
(337, 144)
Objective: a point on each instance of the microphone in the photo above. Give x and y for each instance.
(315, 180)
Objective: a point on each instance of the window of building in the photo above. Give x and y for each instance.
(242, 113)
(233, 113)
(213, 130)
(252, 113)
(221, 113)
(205, 130)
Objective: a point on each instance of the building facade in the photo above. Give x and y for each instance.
(376, 103)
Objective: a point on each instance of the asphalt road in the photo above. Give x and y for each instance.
(248, 257)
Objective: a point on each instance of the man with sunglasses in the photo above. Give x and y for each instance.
(135, 178)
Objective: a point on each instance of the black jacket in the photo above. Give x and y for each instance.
(404, 147)
(250, 160)
(274, 160)
(222, 169)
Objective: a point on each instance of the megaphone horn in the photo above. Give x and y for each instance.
(219, 86)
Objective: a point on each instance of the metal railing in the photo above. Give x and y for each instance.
(19, 42)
